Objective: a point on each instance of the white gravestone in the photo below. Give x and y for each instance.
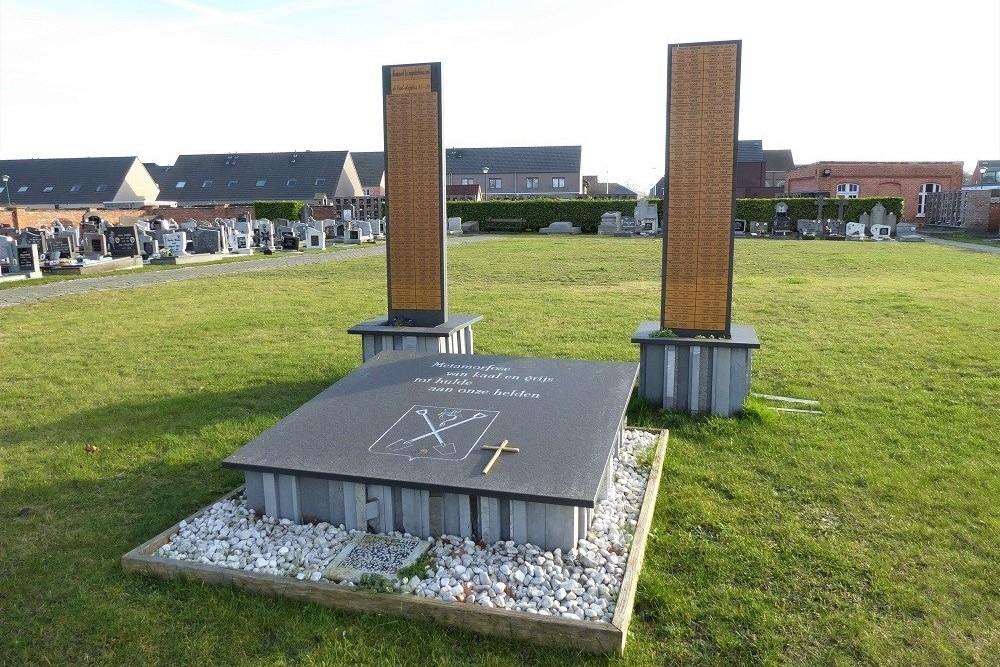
(176, 243)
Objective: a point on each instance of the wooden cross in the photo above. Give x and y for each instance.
(498, 450)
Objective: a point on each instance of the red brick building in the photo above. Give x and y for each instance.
(910, 180)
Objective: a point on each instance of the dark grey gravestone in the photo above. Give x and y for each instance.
(437, 411)
(27, 258)
(207, 240)
(781, 225)
(63, 245)
(123, 241)
(289, 243)
(807, 229)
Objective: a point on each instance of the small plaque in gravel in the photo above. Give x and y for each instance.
(368, 553)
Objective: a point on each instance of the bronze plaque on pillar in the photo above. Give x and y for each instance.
(698, 200)
(414, 194)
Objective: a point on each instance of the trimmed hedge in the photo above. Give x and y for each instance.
(586, 213)
(274, 210)
(538, 213)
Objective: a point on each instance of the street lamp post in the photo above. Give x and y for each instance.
(5, 178)
(486, 183)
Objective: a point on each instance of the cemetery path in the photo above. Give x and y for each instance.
(965, 246)
(31, 293)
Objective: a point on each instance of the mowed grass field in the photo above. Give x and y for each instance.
(868, 535)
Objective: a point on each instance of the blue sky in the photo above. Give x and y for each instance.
(876, 80)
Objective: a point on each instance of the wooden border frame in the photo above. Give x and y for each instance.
(589, 636)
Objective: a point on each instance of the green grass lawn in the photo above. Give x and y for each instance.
(867, 535)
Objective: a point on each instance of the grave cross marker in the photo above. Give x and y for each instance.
(841, 203)
(820, 203)
(497, 451)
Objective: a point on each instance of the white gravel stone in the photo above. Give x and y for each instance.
(582, 583)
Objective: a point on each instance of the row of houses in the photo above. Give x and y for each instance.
(358, 178)
(240, 178)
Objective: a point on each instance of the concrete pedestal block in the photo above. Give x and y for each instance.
(696, 375)
(454, 336)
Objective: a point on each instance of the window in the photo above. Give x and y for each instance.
(468, 181)
(774, 179)
(48, 188)
(180, 184)
(102, 188)
(558, 182)
(207, 184)
(320, 181)
(232, 184)
(925, 190)
(496, 183)
(23, 188)
(531, 182)
(261, 182)
(74, 188)
(291, 182)
(848, 190)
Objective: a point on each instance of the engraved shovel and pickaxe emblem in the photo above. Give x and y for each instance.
(433, 432)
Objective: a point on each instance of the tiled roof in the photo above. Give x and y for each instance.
(779, 160)
(750, 150)
(370, 166)
(248, 177)
(610, 189)
(158, 172)
(520, 160)
(75, 180)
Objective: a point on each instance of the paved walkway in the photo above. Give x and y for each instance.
(965, 246)
(32, 293)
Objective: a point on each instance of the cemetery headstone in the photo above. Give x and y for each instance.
(877, 216)
(207, 240)
(880, 232)
(123, 241)
(290, 243)
(315, 240)
(149, 246)
(62, 246)
(27, 260)
(758, 229)
(95, 245)
(560, 227)
(807, 229)
(454, 225)
(781, 225)
(28, 237)
(175, 243)
(8, 255)
(610, 223)
(740, 227)
(855, 231)
(907, 232)
(646, 211)
(835, 230)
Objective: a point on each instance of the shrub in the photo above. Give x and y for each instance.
(273, 210)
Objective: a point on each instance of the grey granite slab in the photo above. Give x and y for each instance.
(741, 335)
(421, 421)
